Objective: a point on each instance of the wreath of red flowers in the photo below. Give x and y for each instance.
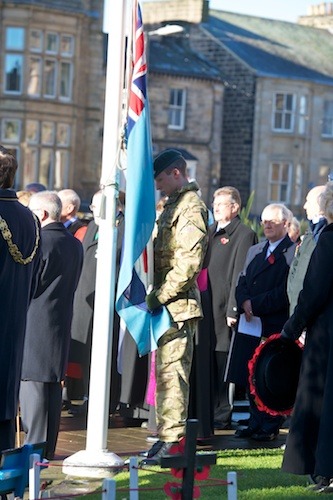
(253, 390)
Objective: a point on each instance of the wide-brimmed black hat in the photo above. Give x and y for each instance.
(274, 373)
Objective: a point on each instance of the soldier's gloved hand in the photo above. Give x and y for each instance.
(152, 301)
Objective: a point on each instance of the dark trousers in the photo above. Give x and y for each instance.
(262, 421)
(7, 434)
(223, 406)
(40, 404)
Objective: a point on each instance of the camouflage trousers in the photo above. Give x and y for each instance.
(173, 366)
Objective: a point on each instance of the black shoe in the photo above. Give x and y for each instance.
(245, 433)
(321, 485)
(264, 436)
(156, 452)
(78, 410)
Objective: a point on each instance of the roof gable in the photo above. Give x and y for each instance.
(275, 48)
(173, 55)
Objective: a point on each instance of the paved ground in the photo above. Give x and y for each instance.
(125, 439)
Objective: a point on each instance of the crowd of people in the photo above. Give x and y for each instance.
(214, 278)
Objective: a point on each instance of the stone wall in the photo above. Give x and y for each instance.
(192, 11)
(238, 111)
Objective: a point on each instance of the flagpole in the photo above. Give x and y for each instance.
(96, 455)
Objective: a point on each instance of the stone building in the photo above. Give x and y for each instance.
(277, 109)
(52, 92)
(186, 96)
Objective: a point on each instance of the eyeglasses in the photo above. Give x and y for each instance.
(222, 204)
(272, 222)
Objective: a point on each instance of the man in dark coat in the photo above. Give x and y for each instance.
(48, 325)
(19, 264)
(262, 292)
(309, 446)
(83, 310)
(229, 242)
(71, 202)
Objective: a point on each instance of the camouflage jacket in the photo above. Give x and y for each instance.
(180, 247)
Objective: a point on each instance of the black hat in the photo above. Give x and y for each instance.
(274, 372)
(166, 158)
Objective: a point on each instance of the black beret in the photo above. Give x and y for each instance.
(166, 158)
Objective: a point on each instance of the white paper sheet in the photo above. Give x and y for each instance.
(253, 327)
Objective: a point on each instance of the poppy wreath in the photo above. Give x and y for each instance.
(273, 374)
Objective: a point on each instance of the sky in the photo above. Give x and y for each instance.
(285, 10)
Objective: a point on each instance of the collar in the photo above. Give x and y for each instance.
(191, 186)
(7, 195)
(69, 221)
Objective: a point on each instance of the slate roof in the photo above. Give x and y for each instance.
(275, 48)
(76, 6)
(172, 55)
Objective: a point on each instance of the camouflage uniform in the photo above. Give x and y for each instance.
(180, 247)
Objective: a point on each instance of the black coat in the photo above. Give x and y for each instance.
(265, 284)
(228, 249)
(17, 282)
(50, 312)
(83, 309)
(309, 447)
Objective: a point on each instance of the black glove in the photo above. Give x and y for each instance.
(152, 301)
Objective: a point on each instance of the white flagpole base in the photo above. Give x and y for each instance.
(92, 463)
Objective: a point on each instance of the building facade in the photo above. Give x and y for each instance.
(52, 93)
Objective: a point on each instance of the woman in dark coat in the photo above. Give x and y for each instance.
(309, 448)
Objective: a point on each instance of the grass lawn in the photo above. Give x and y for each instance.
(259, 476)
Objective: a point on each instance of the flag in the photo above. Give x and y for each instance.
(136, 266)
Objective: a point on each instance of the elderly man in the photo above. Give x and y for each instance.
(299, 265)
(262, 292)
(180, 247)
(19, 265)
(48, 325)
(71, 202)
(229, 242)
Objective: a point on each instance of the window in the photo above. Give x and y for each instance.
(32, 131)
(49, 84)
(303, 114)
(47, 133)
(67, 45)
(279, 182)
(63, 134)
(36, 41)
(13, 72)
(46, 155)
(65, 80)
(14, 44)
(14, 38)
(327, 126)
(30, 166)
(35, 79)
(51, 43)
(11, 130)
(177, 104)
(47, 62)
(283, 112)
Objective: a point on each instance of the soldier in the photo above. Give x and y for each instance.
(180, 247)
